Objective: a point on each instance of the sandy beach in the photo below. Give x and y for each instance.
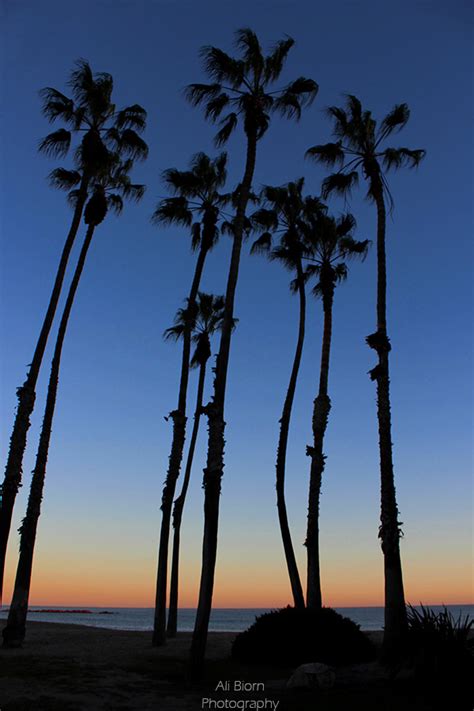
(65, 667)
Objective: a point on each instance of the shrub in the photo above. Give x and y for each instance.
(442, 649)
(291, 636)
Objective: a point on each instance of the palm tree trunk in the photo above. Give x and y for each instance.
(215, 412)
(172, 627)
(26, 394)
(179, 434)
(321, 409)
(292, 566)
(396, 625)
(14, 632)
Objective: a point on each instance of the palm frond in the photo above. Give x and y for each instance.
(345, 224)
(131, 117)
(174, 210)
(247, 42)
(216, 106)
(264, 219)
(274, 62)
(398, 157)
(351, 248)
(288, 105)
(115, 203)
(354, 107)
(63, 179)
(133, 191)
(340, 272)
(262, 245)
(198, 94)
(329, 154)
(132, 145)
(174, 333)
(114, 137)
(182, 182)
(339, 183)
(340, 119)
(228, 125)
(221, 67)
(395, 120)
(299, 93)
(202, 351)
(56, 105)
(286, 255)
(81, 80)
(73, 197)
(195, 235)
(56, 144)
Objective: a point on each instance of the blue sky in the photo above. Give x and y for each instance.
(110, 440)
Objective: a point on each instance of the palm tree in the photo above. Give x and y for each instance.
(284, 214)
(90, 112)
(243, 86)
(196, 193)
(331, 242)
(107, 193)
(208, 319)
(359, 146)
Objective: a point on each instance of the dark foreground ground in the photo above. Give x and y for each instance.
(73, 668)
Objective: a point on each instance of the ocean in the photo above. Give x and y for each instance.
(222, 620)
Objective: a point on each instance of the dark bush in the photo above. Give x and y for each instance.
(291, 636)
(442, 649)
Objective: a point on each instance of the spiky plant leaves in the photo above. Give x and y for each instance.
(56, 144)
(262, 245)
(400, 157)
(63, 179)
(339, 184)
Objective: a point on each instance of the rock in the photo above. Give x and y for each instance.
(312, 676)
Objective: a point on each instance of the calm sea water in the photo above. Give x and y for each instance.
(222, 620)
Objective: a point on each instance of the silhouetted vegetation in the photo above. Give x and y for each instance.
(106, 135)
(359, 148)
(293, 636)
(196, 194)
(442, 651)
(245, 86)
(295, 230)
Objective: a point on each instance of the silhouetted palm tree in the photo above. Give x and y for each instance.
(92, 113)
(208, 319)
(331, 243)
(359, 146)
(243, 86)
(196, 194)
(107, 193)
(284, 216)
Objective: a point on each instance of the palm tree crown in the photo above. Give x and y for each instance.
(196, 193)
(329, 242)
(91, 112)
(285, 213)
(241, 86)
(359, 145)
(208, 319)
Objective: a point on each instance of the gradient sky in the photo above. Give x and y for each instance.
(98, 534)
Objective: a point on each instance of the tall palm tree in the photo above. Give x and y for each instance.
(242, 86)
(359, 145)
(331, 243)
(108, 192)
(284, 215)
(92, 114)
(196, 194)
(208, 320)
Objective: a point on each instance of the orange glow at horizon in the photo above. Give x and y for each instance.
(108, 584)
